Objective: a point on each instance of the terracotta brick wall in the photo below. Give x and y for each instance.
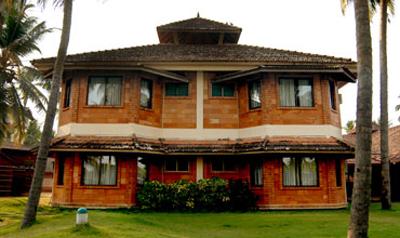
(325, 195)
(251, 117)
(156, 171)
(180, 112)
(219, 112)
(73, 194)
(242, 170)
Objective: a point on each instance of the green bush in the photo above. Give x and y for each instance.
(242, 198)
(205, 195)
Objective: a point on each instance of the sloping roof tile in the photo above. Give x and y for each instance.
(201, 53)
(270, 144)
(394, 145)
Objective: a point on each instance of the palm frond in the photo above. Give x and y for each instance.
(343, 5)
(56, 3)
(19, 115)
(29, 91)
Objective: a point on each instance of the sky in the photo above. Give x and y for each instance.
(311, 26)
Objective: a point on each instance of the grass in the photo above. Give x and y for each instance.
(54, 222)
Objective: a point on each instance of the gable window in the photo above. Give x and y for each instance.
(67, 94)
(146, 93)
(332, 92)
(223, 90)
(176, 89)
(256, 170)
(177, 165)
(223, 165)
(104, 91)
(99, 170)
(300, 171)
(296, 92)
(254, 94)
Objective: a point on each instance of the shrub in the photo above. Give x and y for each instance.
(242, 198)
(205, 195)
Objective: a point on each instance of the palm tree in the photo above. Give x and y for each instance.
(385, 5)
(361, 197)
(386, 202)
(18, 83)
(40, 165)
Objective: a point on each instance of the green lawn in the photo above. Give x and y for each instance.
(121, 223)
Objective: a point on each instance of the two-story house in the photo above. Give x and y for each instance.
(199, 105)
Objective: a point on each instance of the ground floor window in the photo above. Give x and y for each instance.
(60, 172)
(223, 165)
(176, 165)
(338, 168)
(99, 170)
(300, 171)
(256, 170)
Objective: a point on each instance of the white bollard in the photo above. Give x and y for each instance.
(82, 216)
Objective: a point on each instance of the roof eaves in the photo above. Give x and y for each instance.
(157, 72)
(281, 68)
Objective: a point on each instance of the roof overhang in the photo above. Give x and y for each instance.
(341, 73)
(140, 68)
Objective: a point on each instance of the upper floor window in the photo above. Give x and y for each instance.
(300, 171)
(67, 94)
(99, 170)
(176, 89)
(223, 90)
(254, 94)
(296, 92)
(104, 91)
(146, 93)
(223, 165)
(332, 92)
(177, 165)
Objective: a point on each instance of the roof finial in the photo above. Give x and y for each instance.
(198, 14)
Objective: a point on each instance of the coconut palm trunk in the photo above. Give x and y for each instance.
(36, 186)
(358, 226)
(384, 127)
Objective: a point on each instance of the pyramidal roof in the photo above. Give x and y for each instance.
(198, 30)
(199, 24)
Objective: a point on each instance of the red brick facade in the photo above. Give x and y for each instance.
(180, 112)
(73, 194)
(272, 194)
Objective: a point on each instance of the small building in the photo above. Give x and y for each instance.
(16, 169)
(394, 160)
(199, 105)
(17, 164)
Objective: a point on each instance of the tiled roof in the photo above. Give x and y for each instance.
(199, 23)
(394, 145)
(12, 146)
(161, 146)
(201, 53)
